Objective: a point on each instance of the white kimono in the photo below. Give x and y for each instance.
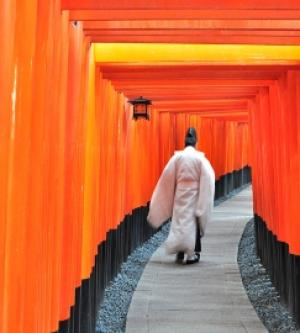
(184, 191)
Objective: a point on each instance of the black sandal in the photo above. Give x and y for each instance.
(193, 261)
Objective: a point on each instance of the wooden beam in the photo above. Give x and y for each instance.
(204, 54)
(193, 32)
(181, 4)
(175, 14)
(195, 24)
(197, 83)
(189, 70)
(238, 40)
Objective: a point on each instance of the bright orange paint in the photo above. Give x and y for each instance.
(73, 163)
(175, 4)
(275, 158)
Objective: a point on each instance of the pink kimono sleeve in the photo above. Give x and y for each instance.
(161, 205)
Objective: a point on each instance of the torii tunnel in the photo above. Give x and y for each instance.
(77, 172)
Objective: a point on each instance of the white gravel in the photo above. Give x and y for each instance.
(259, 288)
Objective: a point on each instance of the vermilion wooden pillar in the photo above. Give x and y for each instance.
(76, 172)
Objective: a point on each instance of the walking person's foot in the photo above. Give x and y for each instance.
(193, 259)
(179, 257)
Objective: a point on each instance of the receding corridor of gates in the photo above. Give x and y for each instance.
(77, 170)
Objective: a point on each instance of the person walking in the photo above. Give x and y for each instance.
(185, 192)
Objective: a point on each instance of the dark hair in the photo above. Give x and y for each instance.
(190, 137)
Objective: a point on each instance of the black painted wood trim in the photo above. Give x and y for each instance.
(282, 267)
(232, 181)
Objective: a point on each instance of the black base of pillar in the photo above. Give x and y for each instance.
(283, 267)
(131, 233)
(232, 181)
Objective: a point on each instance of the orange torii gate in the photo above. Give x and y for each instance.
(73, 167)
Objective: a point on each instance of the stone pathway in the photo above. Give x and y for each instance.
(207, 297)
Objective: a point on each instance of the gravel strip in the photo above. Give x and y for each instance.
(117, 297)
(258, 286)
